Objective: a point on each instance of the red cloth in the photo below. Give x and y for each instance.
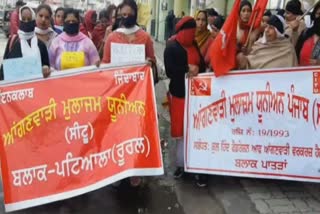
(98, 34)
(257, 13)
(83, 30)
(224, 48)
(141, 37)
(88, 20)
(183, 21)
(87, 27)
(176, 108)
(185, 38)
(14, 22)
(306, 52)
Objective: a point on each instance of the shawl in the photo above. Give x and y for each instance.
(201, 36)
(276, 54)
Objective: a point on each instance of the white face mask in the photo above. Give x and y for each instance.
(59, 27)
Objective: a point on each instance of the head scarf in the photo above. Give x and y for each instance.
(202, 36)
(294, 7)
(26, 49)
(186, 29)
(244, 25)
(88, 20)
(279, 24)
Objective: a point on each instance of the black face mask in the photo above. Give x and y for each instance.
(71, 29)
(128, 22)
(27, 26)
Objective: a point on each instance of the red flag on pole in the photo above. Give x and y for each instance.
(224, 48)
(257, 13)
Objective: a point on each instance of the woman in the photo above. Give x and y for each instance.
(273, 50)
(181, 57)
(90, 20)
(203, 35)
(72, 43)
(243, 25)
(308, 45)
(26, 44)
(43, 29)
(294, 26)
(106, 21)
(129, 33)
(58, 20)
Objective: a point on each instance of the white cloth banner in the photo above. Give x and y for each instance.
(127, 53)
(262, 124)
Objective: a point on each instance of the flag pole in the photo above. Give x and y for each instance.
(306, 13)
(251, 28)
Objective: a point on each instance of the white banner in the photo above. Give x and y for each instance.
(256, 124)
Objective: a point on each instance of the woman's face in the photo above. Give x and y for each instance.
(59, 17)
(245, 13)
(71, 18)
(201, 21)
(289, 16)
(26, 15)
(271, 33)
(43, 19)
(126, 11)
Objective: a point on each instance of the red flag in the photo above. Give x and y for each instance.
(257, 13)
(224, 48)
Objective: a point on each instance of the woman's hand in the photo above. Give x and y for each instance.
(149, 61)
(193, 71)
(98, 63)
(314, 61)
(242, 61)
(46, 71)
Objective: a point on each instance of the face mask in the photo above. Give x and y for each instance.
(27, 26)
(71, 29)
(59, 27)
(128, 22)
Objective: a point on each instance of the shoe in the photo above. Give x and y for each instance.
(178, 173)
(201, 180)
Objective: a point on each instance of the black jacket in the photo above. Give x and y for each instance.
(305, 35)
(15, 52)
(176, 65)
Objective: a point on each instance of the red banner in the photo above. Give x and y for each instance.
(68, 135)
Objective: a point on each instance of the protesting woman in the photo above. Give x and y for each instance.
(106, 21)
(72, 43)
(308, 45)
(58, 20)
(243, 25)
(90, 20)
(26, 43)
(181, 57)
(203, 35)
(43, 29)
(273, 50)
(294, 26)
(129, 33)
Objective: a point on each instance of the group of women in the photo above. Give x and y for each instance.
(53, 38)
(282, 40)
